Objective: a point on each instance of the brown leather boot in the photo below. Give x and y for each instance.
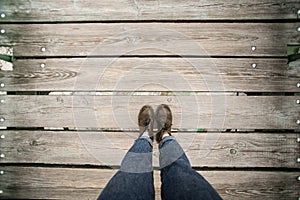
(146, 120)
(163, 117)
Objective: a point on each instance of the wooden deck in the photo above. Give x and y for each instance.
(82, 70)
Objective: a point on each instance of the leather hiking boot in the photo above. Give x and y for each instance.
(163, 117)
(146, 120)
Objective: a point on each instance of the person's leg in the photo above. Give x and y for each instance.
(134, 180)
(179, 180)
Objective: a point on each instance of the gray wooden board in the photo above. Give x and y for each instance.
(272, 150)
(151, 74)
(109, 10)
(76, 183)
(120, 112)
(181, 39)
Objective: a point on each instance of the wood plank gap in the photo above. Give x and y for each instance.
(184, 131)
(271, 93)
(270, 21)
(37, 57)
(117, 167)
(147, 93)
(121, 93)
(105, 130)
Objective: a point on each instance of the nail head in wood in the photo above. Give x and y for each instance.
(1, 172)
(43, 49)
(2, 119)
(3, 137)
(2, 101)
(1, 191)
(2, 31)
(298, 121)
(298, 101)
(2, 84)
(253, 65)
(253, 48)
(3, 15)
(2, 155)
(43, 65)
(233, 151)
(298, 160)
(298, 85)
(298, 29)
(298, 140)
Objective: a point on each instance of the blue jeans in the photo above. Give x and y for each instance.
(134, 180)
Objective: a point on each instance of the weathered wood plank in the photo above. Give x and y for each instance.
(74, 183)
(154, 74)
(120, 112)
(183, 39)
(276, 150)
(82, 10)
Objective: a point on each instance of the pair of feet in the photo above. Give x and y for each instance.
(162, 118)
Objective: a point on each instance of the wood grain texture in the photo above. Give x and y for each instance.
(68, 183)
(43, 164)
(276, 150)
(151, 74)
(108, 10)
(183, 39)
(120, 112)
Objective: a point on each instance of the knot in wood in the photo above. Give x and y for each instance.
(33, 143)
